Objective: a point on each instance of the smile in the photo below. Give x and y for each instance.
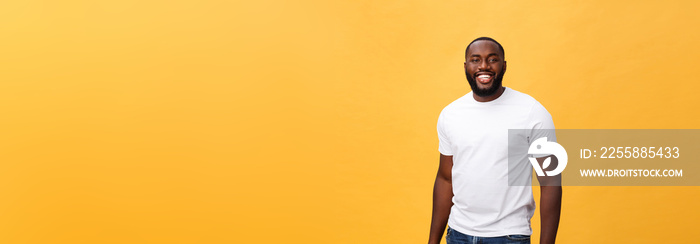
(484, 78)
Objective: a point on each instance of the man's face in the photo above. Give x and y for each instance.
(484, 68)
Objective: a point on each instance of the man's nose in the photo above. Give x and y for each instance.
(484, 65)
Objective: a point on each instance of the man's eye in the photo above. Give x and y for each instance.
(493, 60)
(474, 60)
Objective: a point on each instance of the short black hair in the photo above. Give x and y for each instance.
(484, 38)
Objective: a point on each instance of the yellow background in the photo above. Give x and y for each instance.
(311, 121)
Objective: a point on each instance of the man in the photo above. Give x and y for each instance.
(472, 194)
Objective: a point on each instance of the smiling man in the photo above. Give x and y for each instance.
(471, 193)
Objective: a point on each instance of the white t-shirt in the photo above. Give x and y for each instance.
(476, 135)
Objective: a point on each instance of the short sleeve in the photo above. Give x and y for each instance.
(541, 124)
(445, 147)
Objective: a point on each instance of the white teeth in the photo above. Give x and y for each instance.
(484, 76)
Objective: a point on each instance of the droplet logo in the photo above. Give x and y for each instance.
(542, 146)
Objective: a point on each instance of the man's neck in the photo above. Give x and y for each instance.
(491, 97)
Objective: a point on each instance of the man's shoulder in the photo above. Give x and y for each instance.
(521, 96)
(535, 109)
(525, 100)
(463, 100)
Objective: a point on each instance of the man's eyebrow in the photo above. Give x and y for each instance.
(490, 54)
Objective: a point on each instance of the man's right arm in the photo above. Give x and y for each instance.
(442, 199)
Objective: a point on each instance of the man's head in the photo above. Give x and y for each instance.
(485, 66)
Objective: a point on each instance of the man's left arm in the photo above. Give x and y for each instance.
(550, 207)
(550, 186)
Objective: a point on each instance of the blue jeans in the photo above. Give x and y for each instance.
(456, 237)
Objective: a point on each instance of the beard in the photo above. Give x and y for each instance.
(495, 85)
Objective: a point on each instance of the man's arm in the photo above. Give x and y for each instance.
(442, 199)
(550, 206)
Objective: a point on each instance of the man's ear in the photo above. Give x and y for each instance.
(504, 66)
(465, 68)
